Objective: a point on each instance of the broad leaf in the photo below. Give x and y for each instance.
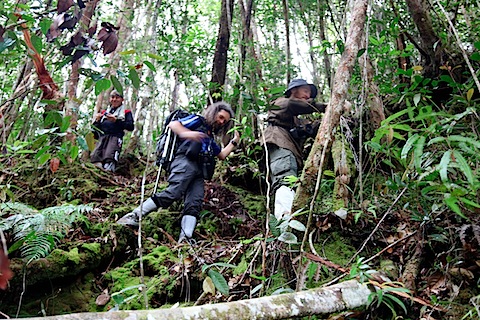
(219, 282)
(288, 237)
(443, 165)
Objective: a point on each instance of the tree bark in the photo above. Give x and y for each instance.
(335, 109)
(431, 43)
(343, 296)
(287, 37)
(221, 49)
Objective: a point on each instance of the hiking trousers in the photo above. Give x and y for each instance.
(185, 180)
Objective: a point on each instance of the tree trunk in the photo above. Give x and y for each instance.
(343, 296)
(431, 43)
(221, 49)
(73, 103)
(145, 102)
(335, 109)
(287, 37)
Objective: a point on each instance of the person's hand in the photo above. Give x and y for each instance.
(192, 135)
(110, 117)
(237, 137)
(98, 116)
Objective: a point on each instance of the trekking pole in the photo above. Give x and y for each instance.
(158, 178)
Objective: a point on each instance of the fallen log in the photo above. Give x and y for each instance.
(343, 296)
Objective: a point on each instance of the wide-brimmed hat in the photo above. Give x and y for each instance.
(295, 83)
(116, 93)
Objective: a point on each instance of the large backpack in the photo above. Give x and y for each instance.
(167, 144)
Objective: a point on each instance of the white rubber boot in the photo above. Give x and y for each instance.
(131, 218)
(187, 226)
(283, 201)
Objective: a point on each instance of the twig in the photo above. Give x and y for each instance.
(378, 225)
(389, 246)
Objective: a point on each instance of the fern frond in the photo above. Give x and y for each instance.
(38, 231)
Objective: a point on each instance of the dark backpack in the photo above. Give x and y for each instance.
(167, 144)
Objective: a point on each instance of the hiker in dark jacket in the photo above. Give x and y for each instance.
(285, 135)
(109, 127)
(187, 171)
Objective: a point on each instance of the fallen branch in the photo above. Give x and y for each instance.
(343, 296)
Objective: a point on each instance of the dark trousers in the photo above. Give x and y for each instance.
(185, 180)
(107, 149)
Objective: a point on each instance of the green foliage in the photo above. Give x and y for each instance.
(436, 153)
(36, 232)
(217, 278)
(383, 296)
(281, 228)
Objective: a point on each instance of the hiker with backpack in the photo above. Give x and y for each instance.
(194, 162)
(109, 128)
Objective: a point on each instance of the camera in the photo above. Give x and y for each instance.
(302, 131)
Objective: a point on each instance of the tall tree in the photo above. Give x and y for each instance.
(221, 51)
(312, 171)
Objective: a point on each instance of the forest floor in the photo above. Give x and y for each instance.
(101, 266)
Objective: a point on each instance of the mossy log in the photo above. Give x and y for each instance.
(343, 296)
(80, 258)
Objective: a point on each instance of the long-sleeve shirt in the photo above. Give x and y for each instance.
(282, 117)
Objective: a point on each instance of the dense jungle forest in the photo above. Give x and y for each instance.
(385, 223)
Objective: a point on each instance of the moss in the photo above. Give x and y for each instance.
(61, 257)
(93, 247)
(335, 248)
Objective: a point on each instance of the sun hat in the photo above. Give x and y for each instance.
(116, 93)
(295, 83)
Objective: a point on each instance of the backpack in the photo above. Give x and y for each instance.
(168, 142)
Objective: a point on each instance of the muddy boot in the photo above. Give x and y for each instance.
(283, 201)
(131, 219)
(187, 226)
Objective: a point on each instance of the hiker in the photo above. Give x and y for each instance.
(187, 172)
(109, 128)
(285, 136)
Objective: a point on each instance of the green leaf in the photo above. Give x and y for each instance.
(102, 85)
(408, 145)
(44, 158)
(451, 202)
(154, 56)
(418, 152)
(288, 237)
(45, 25)
(459, 138)
(219, 282)
(470, 94)
(394, 116)
(65, 124)
(37, 43)
(475, 56)
(469, 202)
(150, 65)
(127, 52)
(74, 151)
(464, 167)
(297, 225)
(443, 165)
(416, 98)
(116, 84)
(133, 75)
(42, 151)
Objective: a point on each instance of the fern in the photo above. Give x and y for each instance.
(36, 232)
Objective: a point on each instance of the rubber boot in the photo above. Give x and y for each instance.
(188, 225)
(283, 201)
(131, 219)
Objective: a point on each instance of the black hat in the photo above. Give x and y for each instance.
(295, 83)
